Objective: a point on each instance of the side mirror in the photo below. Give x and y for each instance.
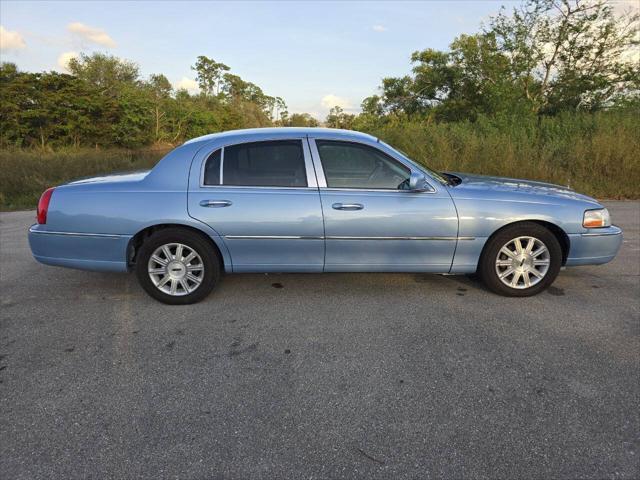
(418, 183)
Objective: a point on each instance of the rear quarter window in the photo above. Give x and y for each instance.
(212, 168)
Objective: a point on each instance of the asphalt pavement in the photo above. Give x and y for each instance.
(354, 376)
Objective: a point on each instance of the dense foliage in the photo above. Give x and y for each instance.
(104, 102)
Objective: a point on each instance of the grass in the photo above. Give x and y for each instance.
(597, 154)
(27, 173)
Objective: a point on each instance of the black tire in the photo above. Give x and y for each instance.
(192, 240)
(487, 266)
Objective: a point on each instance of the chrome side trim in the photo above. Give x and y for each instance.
(264, 237)
(397, 238)
(78, 234)
(273, 237)
(617, 231)
(386, 190)
(259, 189)
(331, 237)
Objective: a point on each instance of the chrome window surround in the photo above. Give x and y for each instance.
(308, 164)
(204, 167)
(322, 182)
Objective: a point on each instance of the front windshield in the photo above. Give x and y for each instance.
(438, 176)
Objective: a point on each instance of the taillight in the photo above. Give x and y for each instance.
(43, 206)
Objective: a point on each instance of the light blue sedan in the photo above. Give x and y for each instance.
(315, 200)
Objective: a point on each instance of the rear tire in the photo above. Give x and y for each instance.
(521, 260)
(177, 267)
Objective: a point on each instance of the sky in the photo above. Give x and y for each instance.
(313, 54)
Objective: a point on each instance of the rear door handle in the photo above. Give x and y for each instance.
(347, 206)
(215, 203)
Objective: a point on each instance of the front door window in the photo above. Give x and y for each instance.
(353, 165)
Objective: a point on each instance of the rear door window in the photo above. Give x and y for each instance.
(277, 163)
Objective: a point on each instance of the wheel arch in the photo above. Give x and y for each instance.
(558, 232)
(216, 243)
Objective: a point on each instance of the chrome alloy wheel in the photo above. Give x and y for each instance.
(176, 269)
(522, 262)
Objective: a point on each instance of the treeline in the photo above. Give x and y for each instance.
(103, 102)
(541, 59)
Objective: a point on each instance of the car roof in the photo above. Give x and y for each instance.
(249, 134)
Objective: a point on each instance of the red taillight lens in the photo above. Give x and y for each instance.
(43, 205)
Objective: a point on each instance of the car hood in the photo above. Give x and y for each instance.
(118, 177)
(514, 185)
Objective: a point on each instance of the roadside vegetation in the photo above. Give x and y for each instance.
(27, 173)
(549, 90)
(597, 154)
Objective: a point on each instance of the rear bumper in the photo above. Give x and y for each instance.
(594, 248)
(85, 251)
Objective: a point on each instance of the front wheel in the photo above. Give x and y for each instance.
(521, 260)
(177, 267)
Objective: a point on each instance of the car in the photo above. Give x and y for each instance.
(315, 200)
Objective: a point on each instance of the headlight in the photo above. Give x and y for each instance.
(596, 218)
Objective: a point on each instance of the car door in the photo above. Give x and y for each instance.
(262, 198)
(372, 221)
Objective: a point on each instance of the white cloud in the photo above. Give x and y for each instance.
(331, 100)
(187, 84)
(379, 28)
(10, 40)
(91, 34)
(63, 60)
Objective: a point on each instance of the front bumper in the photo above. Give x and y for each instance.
(86, 251)
(596, 247)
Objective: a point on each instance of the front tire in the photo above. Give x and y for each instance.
(521, 260)
(177, 267)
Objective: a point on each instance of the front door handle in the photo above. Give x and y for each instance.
(215, 203)
(347, 206)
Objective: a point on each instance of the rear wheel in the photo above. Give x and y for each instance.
(177, 267)
(521, 260)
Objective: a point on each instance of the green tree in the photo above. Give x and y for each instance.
(569, 54)
(209, 74)
(301, 120)
(160, 91)
(48, 109)
(134, 124)
(107, 72)
(337, 118)
(372, 106)
(281, 111)
(544, 57)
(104, 103)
